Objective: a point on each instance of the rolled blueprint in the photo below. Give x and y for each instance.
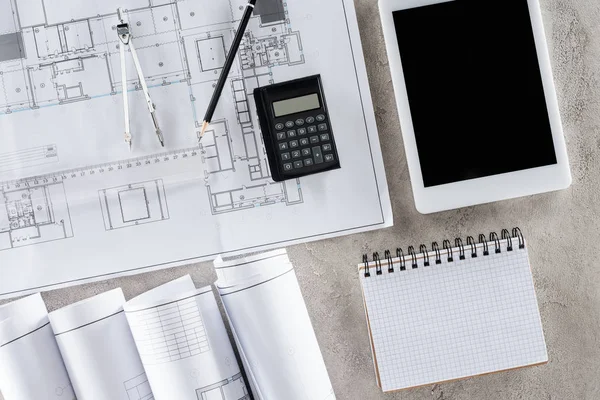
(98, 349)
(31, 367)
(183, 344)
(272, 328)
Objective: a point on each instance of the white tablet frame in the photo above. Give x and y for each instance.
(488, 189)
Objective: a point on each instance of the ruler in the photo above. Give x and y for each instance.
(79, 173)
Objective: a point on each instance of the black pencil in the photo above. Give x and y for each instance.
(227, 67)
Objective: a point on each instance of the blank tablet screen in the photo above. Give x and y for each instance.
(475, 89)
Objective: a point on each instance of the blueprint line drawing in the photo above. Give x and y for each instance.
(34, 215)
(134, 204)
(138, 388)
(54, 59)
(29, 158)
(228, 389)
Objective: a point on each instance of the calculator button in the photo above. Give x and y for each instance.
(322, 127)
(283, 146)
(310, 120)
(312, 129)
(293, 144)
(302, 131)
(326, 147)
(285, 156)
(299, 122)
(289, 124)
(329, 158)
(317, 154)
(296, 154)
(288, 167)
(306, 152)
(320, 118)
(298, 164)
(308, 162)
(291, 134)
(304, 142)
(314, 139)
(279, 127)
(324, 137)
(281, 136)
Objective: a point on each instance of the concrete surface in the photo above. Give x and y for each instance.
(563, 230)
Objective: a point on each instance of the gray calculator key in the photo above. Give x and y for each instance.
(327, 147)
(288, 167)
(324, 137)
(304, 142)
(312, 129)
(310, 120)
(279, 127)
(329, 158)
(320, 118)
(293, 144)
(308, 162)
(306, 152)
(298, 164)
(289, 124)
(281, 136)
(322, 127)
(283, 146)
(291, 134)
(314, 139)
(302, 131)
(296, 154)
(317, 154)
(285, 156)
(299, 122)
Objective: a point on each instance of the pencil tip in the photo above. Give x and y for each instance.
(205, 125)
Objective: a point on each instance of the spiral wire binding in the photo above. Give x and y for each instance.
(506, 236)
(390, 261)
(400, 255)
(448, 247)
(413, 255)
(423, 253)
(438, 255)
(459, 243)
(471, 242)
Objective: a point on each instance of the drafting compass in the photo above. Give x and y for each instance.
(124, 32)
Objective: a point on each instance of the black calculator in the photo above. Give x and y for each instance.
(296, 128)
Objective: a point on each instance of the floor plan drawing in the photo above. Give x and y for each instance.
(34, 215)
(229, 389)
(70, 185)
(138, 388)
(59, 61)
(134, 204)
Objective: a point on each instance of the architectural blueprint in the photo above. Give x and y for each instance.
(76, 205)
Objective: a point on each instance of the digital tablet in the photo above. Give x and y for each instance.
(476, 99)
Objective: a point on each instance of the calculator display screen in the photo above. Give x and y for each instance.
(296, 105)
(475, 89)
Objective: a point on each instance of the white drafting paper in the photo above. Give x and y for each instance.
(76, 205)
(31, 367)
(98, 349)
(183, 344)
(273, 329)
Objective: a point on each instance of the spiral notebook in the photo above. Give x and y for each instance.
(441, 314)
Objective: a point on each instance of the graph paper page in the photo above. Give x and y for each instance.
(96, 329)
(453, 320)
(183, 344)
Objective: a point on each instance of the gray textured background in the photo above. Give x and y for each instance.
(563, 231)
